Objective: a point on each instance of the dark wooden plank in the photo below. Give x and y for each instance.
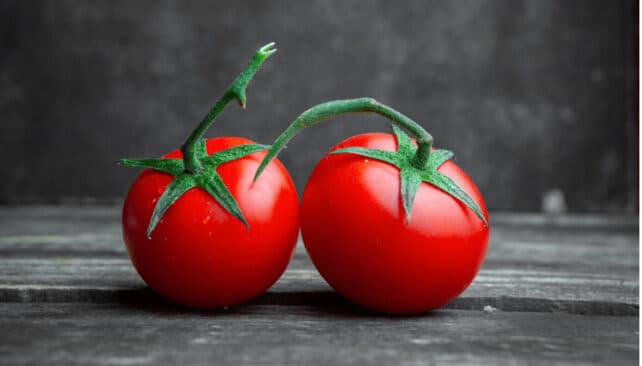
(85, 279)
(533, 264)
(158, 333)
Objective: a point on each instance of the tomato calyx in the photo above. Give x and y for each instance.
(196, 168)
(412, 176)
(206, 178)
(416, 165)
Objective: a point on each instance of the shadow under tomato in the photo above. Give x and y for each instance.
(311, 303)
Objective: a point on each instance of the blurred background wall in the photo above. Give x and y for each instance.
(535, 97)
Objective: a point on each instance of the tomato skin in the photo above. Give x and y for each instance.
(354, 229)
(199, 255)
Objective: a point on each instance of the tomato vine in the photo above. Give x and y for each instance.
(196, 168)
(416, 165)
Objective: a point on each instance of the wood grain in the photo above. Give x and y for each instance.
(157, 333)
(553, 290)
(75, 254)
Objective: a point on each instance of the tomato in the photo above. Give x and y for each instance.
(391, 223)
(353, 227)
(198, 228)
(199, 254)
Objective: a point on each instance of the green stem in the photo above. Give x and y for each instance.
(235, 91)
(333, 108)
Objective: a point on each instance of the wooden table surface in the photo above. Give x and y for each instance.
(553, 290)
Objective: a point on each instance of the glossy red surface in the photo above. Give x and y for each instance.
(201, 256)
(354, 229)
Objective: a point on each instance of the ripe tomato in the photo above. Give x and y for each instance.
(354, 229)
(200, 255)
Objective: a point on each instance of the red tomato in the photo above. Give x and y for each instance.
(199, 255)
(354, 229)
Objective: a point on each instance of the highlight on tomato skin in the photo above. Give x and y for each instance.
(199, 255)
(353, 227)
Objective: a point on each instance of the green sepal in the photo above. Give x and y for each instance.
(449, 186)
(387, 156)
(179, 185)
(410, 182)
(233, 153)
(171, 166)
(213, 184)
(404, 144)
(439, 157)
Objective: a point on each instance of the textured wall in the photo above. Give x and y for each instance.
(531, 95)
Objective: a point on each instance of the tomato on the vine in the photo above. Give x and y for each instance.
(390, 223)
(370, 254)
(198, 229)
(199, 254)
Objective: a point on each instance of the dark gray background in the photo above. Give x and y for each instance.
(531, 95)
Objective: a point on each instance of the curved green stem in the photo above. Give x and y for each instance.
(236, 91)
(324, 111)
